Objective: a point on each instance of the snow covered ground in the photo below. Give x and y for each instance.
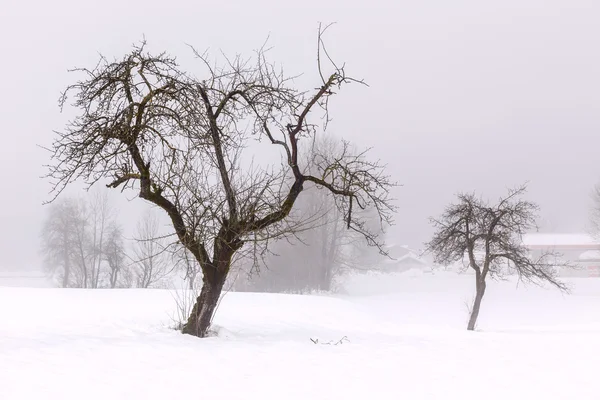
(406, 340)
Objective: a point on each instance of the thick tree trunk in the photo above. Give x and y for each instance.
(200, 318)
(214, 275)
(480, 286)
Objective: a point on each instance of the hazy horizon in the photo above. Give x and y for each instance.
(462, 97)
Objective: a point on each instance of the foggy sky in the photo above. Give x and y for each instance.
(463, 95)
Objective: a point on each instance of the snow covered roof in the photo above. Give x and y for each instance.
(410, 257)
(397, 246)
(560, 240)
(397, 251)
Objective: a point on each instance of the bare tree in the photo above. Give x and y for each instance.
(184, 144)
(151, 264)
(490, 238)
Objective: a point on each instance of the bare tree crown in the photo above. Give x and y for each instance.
(179, 140)
(490, 237)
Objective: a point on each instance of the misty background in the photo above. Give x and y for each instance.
(463, 96)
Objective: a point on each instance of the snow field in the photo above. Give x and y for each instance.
(406, 340)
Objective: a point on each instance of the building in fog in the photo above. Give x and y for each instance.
(403, 258)
(580, 249)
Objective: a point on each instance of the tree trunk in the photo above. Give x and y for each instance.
(67, 272)
(480, 287)
(325, 278)
(192, 280)
(113, 277)
(200, 318)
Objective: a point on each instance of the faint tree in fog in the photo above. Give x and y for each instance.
(115, 256)
(73, 239)
(324, 245)
(58, 240)
(184, 261)
(81, 245)
(490, 237)
(186, 145)
(359, 256)
(92, 221)
(319, 252)
(595, 212)
(99, 220)
(151, 263)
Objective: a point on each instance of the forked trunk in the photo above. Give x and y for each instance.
(200, 318)
(480, 285)
(213, 280)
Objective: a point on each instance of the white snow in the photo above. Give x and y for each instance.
(406, 340)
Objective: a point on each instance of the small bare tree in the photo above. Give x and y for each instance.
(185, 144)
(490, 238)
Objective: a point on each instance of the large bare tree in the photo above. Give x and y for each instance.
(489, 237)
(186, 144)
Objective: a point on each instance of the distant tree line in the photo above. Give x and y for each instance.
(317, 253)
(83, 246)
